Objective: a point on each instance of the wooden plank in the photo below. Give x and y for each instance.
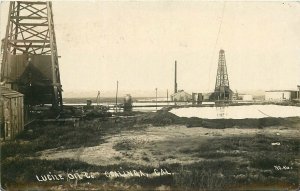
(20, 49)
(12, 121)
(32, 46)
(19, 114)
(59, 120)
(32, 24)
(32, 2)
(22, 113)
(27, 17)
(12, 93)
(29, 41)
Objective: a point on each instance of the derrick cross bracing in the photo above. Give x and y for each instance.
(30, 60)
(222, 89)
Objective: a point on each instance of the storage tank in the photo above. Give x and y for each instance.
(194, 98)
(197, 98)
(200, 98)
(128, 103)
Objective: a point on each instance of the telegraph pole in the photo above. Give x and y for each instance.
(175, 80)
(167, 96)
(117, 96)
(98, 98)
(156, 98)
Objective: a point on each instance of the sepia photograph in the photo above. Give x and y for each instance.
(150, 95)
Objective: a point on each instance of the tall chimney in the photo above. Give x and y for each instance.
(175, 85)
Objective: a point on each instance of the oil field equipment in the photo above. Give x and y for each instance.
(30, 59)
(222, 89)
(128, 103)
(197, 98)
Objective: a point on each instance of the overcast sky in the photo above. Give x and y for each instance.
(138, 42)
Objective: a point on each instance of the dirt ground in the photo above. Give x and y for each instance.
(199, 154)
(158, 145)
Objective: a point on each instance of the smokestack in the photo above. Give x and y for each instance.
(175, 85)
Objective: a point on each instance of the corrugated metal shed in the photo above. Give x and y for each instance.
(11, 113)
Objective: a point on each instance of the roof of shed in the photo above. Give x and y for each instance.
(181, 92)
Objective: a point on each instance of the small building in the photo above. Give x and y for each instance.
(280, 95)
(181, 96)
(247, 97)
(11, 113)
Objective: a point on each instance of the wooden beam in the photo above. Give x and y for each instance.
(31, 46)
(19, 49)
(33, 2)
(34, 33)
(45, 52)
(28, 41)
(27, 7)
(27, 17)
(32, 24)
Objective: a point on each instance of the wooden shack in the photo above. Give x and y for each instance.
(11, 113)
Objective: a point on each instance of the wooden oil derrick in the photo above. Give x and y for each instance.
(30, 60)
(222, 89)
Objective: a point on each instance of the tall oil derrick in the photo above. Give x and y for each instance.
(222, 89)
(30, 60)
